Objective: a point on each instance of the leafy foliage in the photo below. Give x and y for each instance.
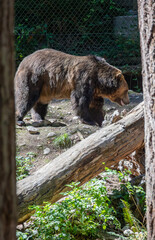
(30, 39)
(63, 141)
(88, 212)
(84, 214)
(24, 165)
(128, 216)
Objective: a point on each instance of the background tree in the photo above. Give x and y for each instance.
(147, 38)
(7, 124)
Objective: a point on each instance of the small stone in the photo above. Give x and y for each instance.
(20, 123)
(69, 113)
(46, 151)
(39, 146)
(51, 134)
(42, 123)
(110, 109)
(22, 144)
(86, 127)
(27, 118)
(20, 227)
(75, 117)
(19, 127)
(58, 124)
(128, 232)
(125, 227)
(32, 130)
(46, 123)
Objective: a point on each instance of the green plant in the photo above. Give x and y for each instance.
(129, 218)
(30, 38)
(63, 141)
(135, 85)
(139, 231)
(84, 214)
(89, 211)
(133, 195)
(21, 235)
(24, 165)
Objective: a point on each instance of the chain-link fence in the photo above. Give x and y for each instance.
(107, 28)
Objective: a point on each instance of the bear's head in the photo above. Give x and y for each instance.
(111, 83)
(120, 94)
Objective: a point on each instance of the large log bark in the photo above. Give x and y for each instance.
(7, 124)
(82, 162)
(146, 10)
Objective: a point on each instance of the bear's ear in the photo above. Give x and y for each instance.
(119, 76)
(99, 59)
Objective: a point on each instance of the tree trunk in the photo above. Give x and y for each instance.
(7, 124)
(82, 162)
(147, 39)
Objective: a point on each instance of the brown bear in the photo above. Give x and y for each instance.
(49, 74)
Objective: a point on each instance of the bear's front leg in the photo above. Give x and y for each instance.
(80, 105)
(96, 110)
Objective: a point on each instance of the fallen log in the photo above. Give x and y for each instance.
(81, 162)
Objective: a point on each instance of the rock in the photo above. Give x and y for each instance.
(20, 227)
(32, 130)
(46, 151)
(22, 144)
(58, 124)
(86, 127)
(42, 123)
(21, 123)
(39, 146)
(46, 122)
(125, 227)
(51, 134)
(75, 117)
(110, 109)
(19, 127)
(27, 118)
(127, 232)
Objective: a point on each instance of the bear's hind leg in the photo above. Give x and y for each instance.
(24, 102)
(39, 111)
(26, 93)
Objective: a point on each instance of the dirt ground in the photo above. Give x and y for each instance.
(63, 120)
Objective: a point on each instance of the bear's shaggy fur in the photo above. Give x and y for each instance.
(49, 74)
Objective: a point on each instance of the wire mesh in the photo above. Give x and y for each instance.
(107, 28)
